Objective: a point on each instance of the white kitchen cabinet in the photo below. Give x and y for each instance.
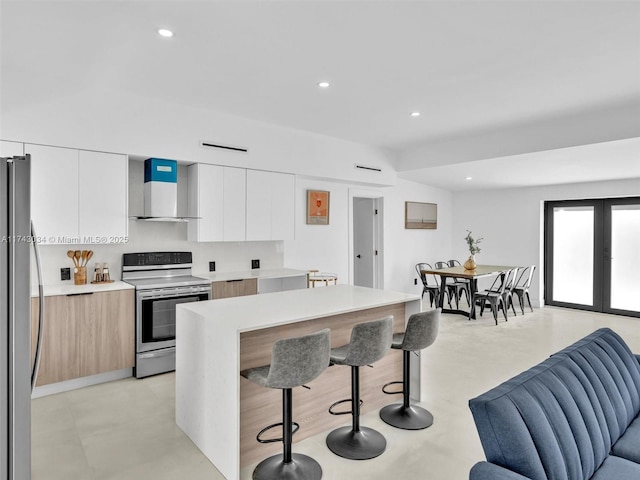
(103, 196)
(78, 196)
(11, 149)
(206, 198)
(217, 196)
(235, 204)
(270, 205)
(54, 193)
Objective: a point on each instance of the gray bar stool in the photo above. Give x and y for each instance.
(294, 362)
(370, 341)
(422, 330)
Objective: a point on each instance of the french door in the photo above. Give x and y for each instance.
(592, 255)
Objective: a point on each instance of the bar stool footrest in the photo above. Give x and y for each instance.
(410, 418)
(399, 382)
(335, 404)
(295, 428)
(362, 444)
(301, 467)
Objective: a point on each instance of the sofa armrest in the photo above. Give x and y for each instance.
(637, 357)
(491, 471)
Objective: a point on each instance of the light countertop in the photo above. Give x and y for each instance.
(293, 305)
(259, 273)
(71, 289)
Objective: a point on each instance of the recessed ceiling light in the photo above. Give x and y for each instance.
(163, 32)
(323, 84)
(415, 114)
(469, 178)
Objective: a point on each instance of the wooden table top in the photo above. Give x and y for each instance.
(461, 272)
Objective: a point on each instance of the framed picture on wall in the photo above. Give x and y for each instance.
(420, 215)
(317, 207)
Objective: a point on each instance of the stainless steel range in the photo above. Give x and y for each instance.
(162, 281)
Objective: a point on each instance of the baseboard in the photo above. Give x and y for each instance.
(82, 382)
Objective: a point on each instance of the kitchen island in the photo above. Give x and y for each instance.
(222, 413)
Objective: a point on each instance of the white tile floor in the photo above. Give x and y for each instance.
(126, 429)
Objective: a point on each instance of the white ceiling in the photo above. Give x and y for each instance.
(468, 67)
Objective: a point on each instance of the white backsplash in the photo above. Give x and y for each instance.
(161, 237)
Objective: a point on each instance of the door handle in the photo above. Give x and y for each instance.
(358, 256)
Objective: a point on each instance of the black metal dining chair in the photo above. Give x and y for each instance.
(450, 288)
(461, 284)
(433, 289)
(494, 296)
(521, 287)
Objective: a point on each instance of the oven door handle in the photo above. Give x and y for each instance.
(168, 294)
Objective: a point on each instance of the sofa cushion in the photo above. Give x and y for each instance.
(614, 371)
(615, 468)
(559, 419)
(629, 444)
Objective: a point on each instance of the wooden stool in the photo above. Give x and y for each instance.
(315, 276)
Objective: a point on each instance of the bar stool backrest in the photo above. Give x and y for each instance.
(298, 360)
(369, 342)
(422, 330)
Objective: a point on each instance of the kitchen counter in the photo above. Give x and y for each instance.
(216, 339)
(71, 289)
(258, 273)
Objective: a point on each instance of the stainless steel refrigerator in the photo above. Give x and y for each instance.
(18, 370)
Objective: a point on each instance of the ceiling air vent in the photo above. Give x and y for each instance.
(367, 167)
(223, 147)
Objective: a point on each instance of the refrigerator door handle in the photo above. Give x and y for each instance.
(36, 362)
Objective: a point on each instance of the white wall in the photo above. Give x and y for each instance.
(510, 221)
(327, 248)
(404, 248)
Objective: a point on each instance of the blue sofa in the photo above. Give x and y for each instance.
(572, 417)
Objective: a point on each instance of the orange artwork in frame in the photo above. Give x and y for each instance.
(317, 207)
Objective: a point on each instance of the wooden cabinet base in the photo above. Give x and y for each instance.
(84, 335)
(234, 288)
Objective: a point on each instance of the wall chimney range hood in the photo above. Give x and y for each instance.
(161, 191)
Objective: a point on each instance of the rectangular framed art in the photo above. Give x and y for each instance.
(317, 207)
(420, 215)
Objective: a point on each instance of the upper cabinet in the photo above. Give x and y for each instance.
(103, 193)
(270, 205)
(78, 196)
(217, 196)
(235, 204)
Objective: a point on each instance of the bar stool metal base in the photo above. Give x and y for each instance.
(407, 418)
(301, 467)
(363, 444)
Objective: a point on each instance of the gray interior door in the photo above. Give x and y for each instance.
(363, 242)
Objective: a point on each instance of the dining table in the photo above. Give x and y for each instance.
(459, 272)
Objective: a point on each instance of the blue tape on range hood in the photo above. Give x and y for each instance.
(160, 170)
